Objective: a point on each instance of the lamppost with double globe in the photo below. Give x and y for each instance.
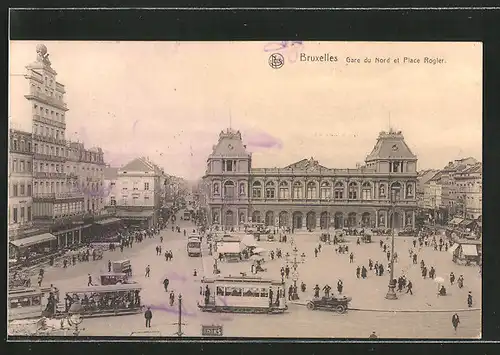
(295, 274)
(391, 293)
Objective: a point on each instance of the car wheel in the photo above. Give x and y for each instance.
(340, 308)
(310, 306)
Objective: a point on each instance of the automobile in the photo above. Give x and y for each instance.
(338, 304)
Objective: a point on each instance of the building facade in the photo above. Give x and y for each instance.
(138, 193)
(307, 195)
(20, 181)
(470, 191)
(422, 179)
(449, 185)
(85, 167)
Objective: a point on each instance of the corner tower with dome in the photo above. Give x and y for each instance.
(306, 195)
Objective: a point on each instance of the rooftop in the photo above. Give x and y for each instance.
(390, 145)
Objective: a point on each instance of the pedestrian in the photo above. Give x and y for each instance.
(358, 272)
(452, 278)
(161, 239)
(370, 264)
(414, 243)
(380, 270)
(409, 288)
(340, 286)
(415, 261)
(157, 251)
(376, 269)
(287, 271)
(290, 292)
(171, 254)
(432, 273)
(424, 272)
(460, 281)
(351, 258)
(109, 265)
(469, 299)
(455, 320)
(282, 272)
(315, 252)
(89, 283)
(316, 291)
(166, 255)
(148, 315)
(327, 289)
(319, 248)
(148, 270)
(363, 272)
(388, 255)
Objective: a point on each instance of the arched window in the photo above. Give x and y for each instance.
(270, 190)
(297, 190)
(229, 189)
(284, 192)
(325, 190)
(396, 191)
(216, 188)
(256, 189)
(338, 191)
(353, 191)
(366, 191)
(311, 190)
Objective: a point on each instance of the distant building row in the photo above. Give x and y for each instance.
(454, 191)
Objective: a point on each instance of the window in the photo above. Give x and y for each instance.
(381, 190)
(14, 165)
(216, 189)
(338, 191)
(284, 192)
(366, 191)
(229, 189)
(21, 166)
(311, 190)
(270, 190)
(14, 214)
(21, 190)
(297, 190)
(14, 190)
(136, 186)
(353, 191)
(28, 213)
(256, 189)
(229, 165)
(112, 201)
(325, 190)
(146, 186)
(22, 214)
(29, 168)
(14, 144)
(28, 191)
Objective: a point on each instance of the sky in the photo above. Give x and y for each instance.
(170, 100)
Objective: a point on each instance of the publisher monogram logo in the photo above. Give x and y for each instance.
(276, 60)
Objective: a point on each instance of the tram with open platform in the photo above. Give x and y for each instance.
(242, 295)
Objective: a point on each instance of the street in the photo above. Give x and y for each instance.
(423, 315)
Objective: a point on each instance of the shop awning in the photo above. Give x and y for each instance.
(456, 221)
(134, 215)
(229, 248)
(108, 221)
(454, 247)
(36, 239)
(469, 250)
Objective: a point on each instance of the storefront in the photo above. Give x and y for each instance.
(106, 229)
(139, 219)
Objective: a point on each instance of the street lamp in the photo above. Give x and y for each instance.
(75, 316)
(295, 275)
(391, 293)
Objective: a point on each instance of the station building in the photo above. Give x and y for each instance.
(306, 195)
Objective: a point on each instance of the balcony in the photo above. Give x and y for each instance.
(49, 121)
(50, 100)
(60, 88)
(52, 140)
(46, 175)
(39, 156)
(53, 196)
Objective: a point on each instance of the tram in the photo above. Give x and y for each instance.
(242, 295)
(25, 304)
(105, 301)
(194, 246)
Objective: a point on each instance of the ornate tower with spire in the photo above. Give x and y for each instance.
(226, 180)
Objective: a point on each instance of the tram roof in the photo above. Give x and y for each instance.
(240, 279)
(108, 288)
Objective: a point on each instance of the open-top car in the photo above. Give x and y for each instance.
(338, 304)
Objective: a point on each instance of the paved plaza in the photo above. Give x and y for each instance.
(422, 315)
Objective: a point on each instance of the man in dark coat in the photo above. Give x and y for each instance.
(455, 320)
(148, 315)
